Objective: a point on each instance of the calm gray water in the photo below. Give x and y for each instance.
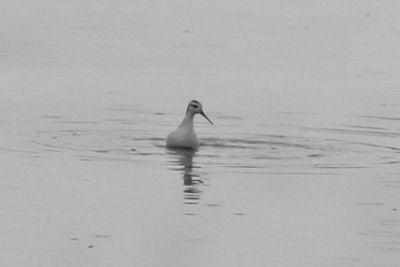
(300, 169)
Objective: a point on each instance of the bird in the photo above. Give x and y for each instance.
(184, 136)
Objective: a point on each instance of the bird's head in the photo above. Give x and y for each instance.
(195, 107)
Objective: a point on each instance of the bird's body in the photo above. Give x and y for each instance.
(185, 136)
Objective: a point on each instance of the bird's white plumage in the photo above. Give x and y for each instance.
(184, 136)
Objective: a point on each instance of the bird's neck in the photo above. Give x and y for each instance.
(188, 121)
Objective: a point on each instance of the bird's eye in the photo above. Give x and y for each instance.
(195, 106)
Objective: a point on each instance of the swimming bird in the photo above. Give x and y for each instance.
(184, 136)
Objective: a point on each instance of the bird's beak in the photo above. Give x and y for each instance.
(205, 116)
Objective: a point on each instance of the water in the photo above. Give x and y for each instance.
(300, 169)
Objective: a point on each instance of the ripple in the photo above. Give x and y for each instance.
(339, 166)
(253, 152)
(380, 117)
(78, 122)
(250, 143)
(364, 132)
(93, 144)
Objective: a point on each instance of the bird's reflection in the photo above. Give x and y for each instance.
(191, 179)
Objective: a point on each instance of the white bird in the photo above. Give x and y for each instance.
(184, 136)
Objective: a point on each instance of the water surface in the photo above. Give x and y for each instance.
(300, 169)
